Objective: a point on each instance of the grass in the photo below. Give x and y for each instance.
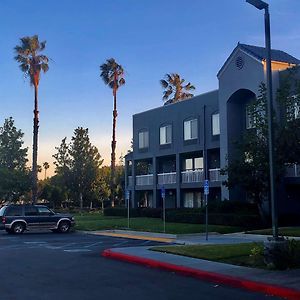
(284, 231)
(236, 254)
(96, 221)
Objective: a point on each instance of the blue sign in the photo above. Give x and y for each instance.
(127, 194)
(163, 192)
(206, 187)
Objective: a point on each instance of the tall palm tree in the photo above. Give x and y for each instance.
(46, 167)
(31, 63)
(175, 89)
(113, 75)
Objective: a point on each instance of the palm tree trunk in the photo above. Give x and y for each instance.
(113, 148)
(35, 145)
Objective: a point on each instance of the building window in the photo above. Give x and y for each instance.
(216, 124)
(190, 129)
(165, 135)
(143, 139)
(188, 164)
(195, 163)
(188, 200)
(198, 163)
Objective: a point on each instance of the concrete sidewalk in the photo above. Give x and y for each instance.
(280, 283)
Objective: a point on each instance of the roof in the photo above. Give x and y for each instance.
(260, 54)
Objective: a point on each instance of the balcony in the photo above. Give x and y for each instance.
(166, 178)
(130, 181)
(214, 174)
(144, 179)
(292, 171)
(191, 176)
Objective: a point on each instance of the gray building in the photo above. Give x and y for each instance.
(179, 145)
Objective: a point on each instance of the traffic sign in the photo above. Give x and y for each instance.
(127, 194)
(163, 192)
(206, 187)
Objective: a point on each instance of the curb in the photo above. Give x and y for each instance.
(266, 288)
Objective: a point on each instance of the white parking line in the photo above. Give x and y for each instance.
(119, 244)
(94, 244)
(77, 250)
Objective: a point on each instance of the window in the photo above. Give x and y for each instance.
(216, 124)
(189, 164)
(198, 163)
(165, 135)
(188, 200)
(190, 129)
(14, 211)
(31, 211)
(143, 139)
(193, 163)
(44, 211)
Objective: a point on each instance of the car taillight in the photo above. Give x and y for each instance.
(3, 220)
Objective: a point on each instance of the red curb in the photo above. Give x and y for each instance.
(274, 290)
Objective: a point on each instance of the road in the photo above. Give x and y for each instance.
(46, 266)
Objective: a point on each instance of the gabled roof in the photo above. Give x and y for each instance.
(260, 54)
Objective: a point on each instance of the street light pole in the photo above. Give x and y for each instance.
(263, 5)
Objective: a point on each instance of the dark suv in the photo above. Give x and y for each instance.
(17, 218)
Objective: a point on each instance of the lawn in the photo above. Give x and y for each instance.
(236, 254)
(284, 231)
(96, 221)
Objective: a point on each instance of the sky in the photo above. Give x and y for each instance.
(148, 38)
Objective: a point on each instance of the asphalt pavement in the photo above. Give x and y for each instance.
(46, 266)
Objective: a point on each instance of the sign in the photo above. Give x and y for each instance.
(127, 195)
(206, 187)
(163, 192)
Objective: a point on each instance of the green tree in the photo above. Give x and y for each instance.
(113, 75)
(85, 164)
(175, 89)
(31, 63)
(14, 176)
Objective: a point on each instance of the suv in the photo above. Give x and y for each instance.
(17, 218)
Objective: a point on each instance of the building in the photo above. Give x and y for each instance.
(176, 145)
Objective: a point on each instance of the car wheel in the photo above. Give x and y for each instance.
(64, 227)
(18, 228)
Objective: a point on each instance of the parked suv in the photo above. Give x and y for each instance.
(17, 218)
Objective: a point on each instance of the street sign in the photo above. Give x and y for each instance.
(127, 195)
(163, 192)
(206, 187)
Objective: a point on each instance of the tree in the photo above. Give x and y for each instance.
(175, 89)
(113, 75)
(46, 167)
(249, 169)
(14, 176)
(31, 63)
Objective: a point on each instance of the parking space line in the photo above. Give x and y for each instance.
(94, 244)
(77, 250)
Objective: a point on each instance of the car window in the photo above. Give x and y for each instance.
(44, 211)
(14, 211)
(2, 210)
(31, 211)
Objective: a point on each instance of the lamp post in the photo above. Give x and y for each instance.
(263, 5)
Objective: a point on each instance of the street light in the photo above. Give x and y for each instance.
(263, 5)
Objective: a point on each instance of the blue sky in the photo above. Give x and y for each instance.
(149, 38)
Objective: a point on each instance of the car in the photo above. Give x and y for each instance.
(18, 218)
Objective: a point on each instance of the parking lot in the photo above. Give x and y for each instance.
(69, 266)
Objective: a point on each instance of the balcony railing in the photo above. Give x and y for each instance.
(130, 181)
(214, 174)
(292, 171)
(190, 176)
(144, 179)
(166, 178)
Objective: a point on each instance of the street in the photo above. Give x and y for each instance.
(69, 266)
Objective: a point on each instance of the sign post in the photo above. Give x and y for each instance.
(163, 196)
(206, 192)
(127, 197)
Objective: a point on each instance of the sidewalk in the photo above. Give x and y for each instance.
(279, 283)
(284, 284)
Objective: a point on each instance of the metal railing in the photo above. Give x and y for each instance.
(292, 170)
(130, 181)
(214, 174)
(166, 178)
(144, 179)
(192, 176)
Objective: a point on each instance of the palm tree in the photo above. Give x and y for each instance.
(113, 75)
(31, 63)
(46, 167)
(175, 89)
